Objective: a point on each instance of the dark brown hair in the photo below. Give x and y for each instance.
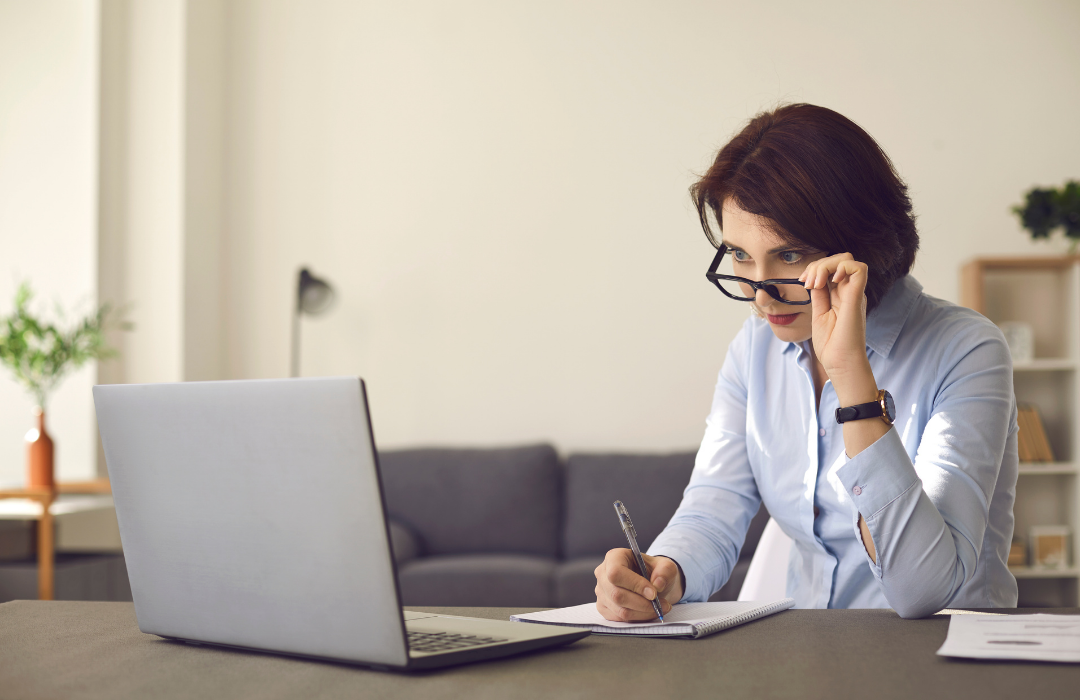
(822, 182)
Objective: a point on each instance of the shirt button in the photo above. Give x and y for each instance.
(821, 432)
(857, 490)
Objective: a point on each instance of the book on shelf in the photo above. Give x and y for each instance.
(1018, 553)
(1050, 546)
(1031, 442)
(1023, 436)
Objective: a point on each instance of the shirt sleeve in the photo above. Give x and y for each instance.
(928, 517)
(707, 531)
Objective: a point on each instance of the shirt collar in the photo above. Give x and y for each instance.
(885, 321)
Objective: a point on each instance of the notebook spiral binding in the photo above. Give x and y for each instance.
(727, 622)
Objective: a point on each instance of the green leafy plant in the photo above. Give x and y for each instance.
(1045, 209)
(40, 354)
(1068, 202)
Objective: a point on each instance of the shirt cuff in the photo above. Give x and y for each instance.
(878, 475)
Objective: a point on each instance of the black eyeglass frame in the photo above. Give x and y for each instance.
(768, 285)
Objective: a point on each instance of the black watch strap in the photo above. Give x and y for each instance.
(859, 411)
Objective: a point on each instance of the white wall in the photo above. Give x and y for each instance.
(48, 209)
(498, 190)
(142, 232)
(161, 187)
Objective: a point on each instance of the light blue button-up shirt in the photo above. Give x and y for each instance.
(936, 491)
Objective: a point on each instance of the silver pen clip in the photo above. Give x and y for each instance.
(624, 519)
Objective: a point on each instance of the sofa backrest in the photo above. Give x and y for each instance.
(651, 486)
(461, 501)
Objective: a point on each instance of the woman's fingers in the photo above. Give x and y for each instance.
(623, 605)
(665, 577)
(618, 614)
(817, 274)
(630, 588)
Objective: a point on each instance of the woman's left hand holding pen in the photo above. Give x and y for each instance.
(623, 595)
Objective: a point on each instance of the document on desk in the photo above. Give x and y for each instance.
(685, 619)
(1037, 637)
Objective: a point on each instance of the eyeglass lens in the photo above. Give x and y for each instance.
(785, 292)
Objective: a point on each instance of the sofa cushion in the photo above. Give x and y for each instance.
(651, 486)
(462, 501)
(575, 582)
(481, 580)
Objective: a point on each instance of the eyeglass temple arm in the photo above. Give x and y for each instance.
(717, 259)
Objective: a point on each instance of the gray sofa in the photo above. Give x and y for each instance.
(520, 527)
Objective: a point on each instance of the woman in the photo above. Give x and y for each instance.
(904, 498)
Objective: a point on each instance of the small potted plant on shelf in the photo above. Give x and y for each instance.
(1046, 209)
(40, 354)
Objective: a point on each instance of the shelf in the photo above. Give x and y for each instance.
(26, 509)
(1034, 572)
(1045, 364)
(1044, 293)
(1048, 468)
(1037, 262)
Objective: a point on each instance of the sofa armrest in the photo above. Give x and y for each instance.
(404, 543)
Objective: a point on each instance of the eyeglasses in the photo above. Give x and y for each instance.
(786, 291)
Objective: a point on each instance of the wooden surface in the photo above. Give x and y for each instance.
(46, 533)
(972, 294)
(76, 650)
(85, 487)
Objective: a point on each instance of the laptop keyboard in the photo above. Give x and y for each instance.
(431, 642)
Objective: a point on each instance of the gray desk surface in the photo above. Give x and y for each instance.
(95, 650)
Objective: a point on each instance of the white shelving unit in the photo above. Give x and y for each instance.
(1045, 293)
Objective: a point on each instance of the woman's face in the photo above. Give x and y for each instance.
(759, 254)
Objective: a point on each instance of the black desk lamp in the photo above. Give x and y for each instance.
(313, 296)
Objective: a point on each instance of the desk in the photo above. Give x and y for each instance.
(94, 650)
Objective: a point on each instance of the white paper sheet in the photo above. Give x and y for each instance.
(1038, 637)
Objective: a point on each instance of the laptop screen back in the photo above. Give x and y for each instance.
(251, 515)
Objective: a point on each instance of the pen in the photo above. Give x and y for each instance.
(631, 536)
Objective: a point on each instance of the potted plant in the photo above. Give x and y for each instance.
(40, 354)
(1045, 209)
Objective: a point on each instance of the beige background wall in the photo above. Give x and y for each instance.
(498, 190)
(48, 205)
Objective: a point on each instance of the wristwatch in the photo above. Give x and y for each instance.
(883, 407)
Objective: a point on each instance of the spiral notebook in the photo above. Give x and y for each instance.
(693, 620)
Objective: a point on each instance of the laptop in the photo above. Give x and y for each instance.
(251, 515)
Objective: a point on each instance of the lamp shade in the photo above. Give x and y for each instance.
(313, 295)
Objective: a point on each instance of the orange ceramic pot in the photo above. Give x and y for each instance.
(40, 454)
